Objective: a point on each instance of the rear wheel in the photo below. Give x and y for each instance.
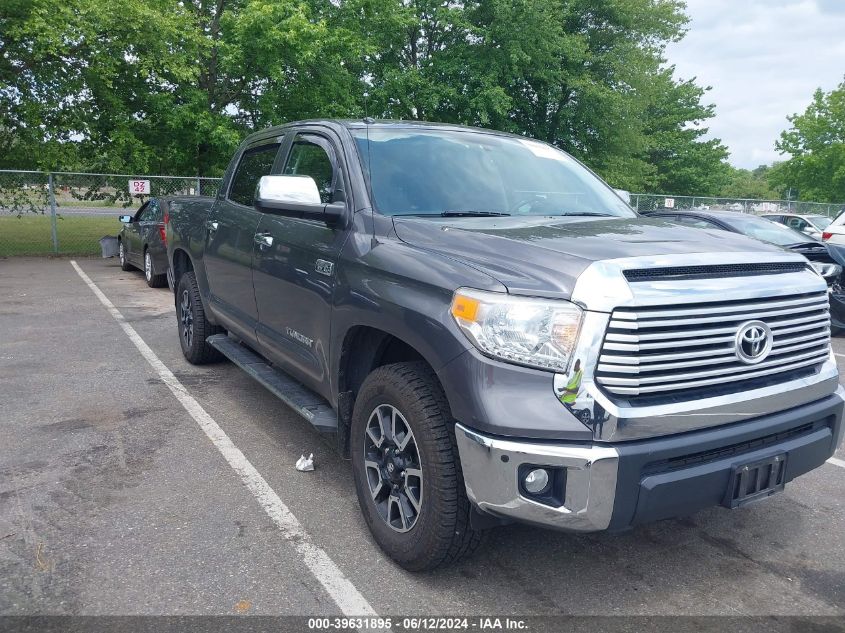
(407, 470)
(153, 280)
(194, 328)
(121, 254)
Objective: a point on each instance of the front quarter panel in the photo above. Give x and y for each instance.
(406, 292)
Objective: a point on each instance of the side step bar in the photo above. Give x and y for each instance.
(298, 397)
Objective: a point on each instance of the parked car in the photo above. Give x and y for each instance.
(491, 334)
(828, 260)
(834, 233)
(812, 225)
(142, 242)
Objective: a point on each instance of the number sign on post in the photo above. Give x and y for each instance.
(139, 187)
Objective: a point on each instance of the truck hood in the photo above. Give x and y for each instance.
(544, 256)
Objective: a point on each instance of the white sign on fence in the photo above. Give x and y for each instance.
(669, 203)
(138, 187)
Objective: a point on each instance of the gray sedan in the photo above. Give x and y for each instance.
(142, 242)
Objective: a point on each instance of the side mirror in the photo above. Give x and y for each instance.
(296, 196)
(125, 219)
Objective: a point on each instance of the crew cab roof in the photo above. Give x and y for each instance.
(375, 124)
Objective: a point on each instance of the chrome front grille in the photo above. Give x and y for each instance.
(662, 350)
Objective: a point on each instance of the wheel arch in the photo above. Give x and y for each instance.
(364, 349)
(181, 264)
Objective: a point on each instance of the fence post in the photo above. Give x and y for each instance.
(52, 191)
(199, 190)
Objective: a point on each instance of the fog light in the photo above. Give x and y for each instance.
(536, 481)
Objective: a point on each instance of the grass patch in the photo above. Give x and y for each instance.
(31, 234)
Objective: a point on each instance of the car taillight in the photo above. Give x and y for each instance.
(826, 236)
(162, 232)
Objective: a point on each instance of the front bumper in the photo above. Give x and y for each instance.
(617, 486)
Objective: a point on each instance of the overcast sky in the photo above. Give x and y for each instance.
(763, 59)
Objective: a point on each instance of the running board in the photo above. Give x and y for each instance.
(297, 396)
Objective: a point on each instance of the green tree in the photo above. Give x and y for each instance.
(816, 143)
(86, 80)
(744, 183)
(153, 86)
(684, 162)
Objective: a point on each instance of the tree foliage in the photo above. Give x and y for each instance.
(816, 142)
(754, 183)
(159, 86)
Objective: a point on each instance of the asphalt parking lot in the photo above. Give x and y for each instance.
(113, 499)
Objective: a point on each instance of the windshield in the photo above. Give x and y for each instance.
(767, 231)
(442, 172)
(821, 222)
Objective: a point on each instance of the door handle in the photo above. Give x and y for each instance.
(211, 225)
(264, 240)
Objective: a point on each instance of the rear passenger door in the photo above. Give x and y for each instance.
(230, 233)
(294, 270)
(148, 225)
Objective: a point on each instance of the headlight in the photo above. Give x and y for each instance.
(535, 332)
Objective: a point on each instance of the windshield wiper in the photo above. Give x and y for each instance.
(454, 214)
(587, 213)
(483, 214)
(806, 245)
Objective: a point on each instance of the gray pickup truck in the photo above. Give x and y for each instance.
(491, 334)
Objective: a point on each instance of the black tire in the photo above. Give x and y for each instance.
(441, 532)
(190, 315)
(121, 255)
(153, 280)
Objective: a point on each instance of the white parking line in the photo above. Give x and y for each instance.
(840, 355)
(836, 462)
(342, 591)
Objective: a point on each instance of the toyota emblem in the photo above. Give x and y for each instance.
(753, 342)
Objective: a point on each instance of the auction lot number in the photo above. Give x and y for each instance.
(418, 623)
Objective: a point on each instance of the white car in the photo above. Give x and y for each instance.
(811, 225)
(834, 233)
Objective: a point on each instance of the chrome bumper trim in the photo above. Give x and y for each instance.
(490, 467)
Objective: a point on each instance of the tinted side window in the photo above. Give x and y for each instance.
(309, 159)
(254, 163)
(151, 213)
(141, 213)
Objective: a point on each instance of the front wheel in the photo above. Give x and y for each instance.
(194, 327)
(407, 470)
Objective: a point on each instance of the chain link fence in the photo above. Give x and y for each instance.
(66, 213)
(650, 202)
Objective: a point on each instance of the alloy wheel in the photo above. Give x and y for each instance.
(186, 319)
(120, 253)
(148, 266)
(393, 468)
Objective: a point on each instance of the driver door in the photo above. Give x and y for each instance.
(294, 270)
